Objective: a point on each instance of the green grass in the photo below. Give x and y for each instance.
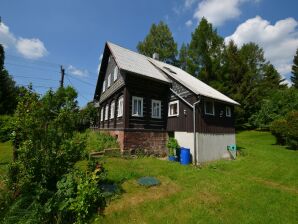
(5, 157)
(261, 186)
(97, 141)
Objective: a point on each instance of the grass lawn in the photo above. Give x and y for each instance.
(261, 186)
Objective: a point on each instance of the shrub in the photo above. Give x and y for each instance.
(286, 130)
(5, 128)
(172, 144)
(78, 196)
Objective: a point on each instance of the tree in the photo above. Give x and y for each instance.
(183, 56)
(8, 90)
(204, 52)
(159, 40)
(294, 78)
(271, 78)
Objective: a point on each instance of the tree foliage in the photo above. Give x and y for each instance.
(159, 40)
(294, 77)
(204, 52)
(8, 90)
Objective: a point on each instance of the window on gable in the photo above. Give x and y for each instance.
(137, 106)
(173, 108)
(209, 107)
(107, 112)
(120, 106)
(156, 109)
(101, 114)
(112, 110)
(104, 86)
(115, 73)
(228, 111)
(109, 80)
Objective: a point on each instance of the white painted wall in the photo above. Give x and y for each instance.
(209, 146)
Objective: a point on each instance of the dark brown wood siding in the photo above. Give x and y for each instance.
(149, 90)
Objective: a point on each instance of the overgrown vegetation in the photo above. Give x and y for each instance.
(98, 141)
(42, 181)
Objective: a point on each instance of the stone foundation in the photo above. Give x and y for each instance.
(144, 142)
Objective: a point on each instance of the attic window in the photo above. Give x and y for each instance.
(174, 108)
(228, 111)
(104, 86)
(115, 73)
(170, 70)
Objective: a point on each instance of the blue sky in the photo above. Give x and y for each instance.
(41, 35)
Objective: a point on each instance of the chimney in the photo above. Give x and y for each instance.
(155, 56)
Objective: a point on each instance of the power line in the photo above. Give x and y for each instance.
(31, 77)
(40, 61)
(80, 80)
(30, 67)
(80, 94)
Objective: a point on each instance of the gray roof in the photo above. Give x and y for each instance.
(137, 63)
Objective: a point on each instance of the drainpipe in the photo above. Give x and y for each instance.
(194, 130)
(194, 121)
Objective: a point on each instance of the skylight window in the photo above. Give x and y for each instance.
(170, 70)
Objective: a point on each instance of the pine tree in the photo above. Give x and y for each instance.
(294, 78)
(183, 56)
(159, 40)
(205, 52)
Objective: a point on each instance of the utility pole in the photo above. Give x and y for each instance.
(62, 71)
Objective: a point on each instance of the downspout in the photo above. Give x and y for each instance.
(194, 121)
(194, 130)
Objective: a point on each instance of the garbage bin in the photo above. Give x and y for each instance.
(184, 156)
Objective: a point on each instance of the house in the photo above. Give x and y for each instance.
(142, 101)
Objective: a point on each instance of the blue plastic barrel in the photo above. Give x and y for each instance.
(184, 156)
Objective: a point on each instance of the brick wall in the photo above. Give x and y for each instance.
(150, 143)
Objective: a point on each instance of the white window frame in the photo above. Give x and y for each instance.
(169, 112)
(112, 110)
(120, 106)
(152, 109)
(228, 111)
(101, 114)
(138, 99)
(104, 86)
(107, 112)
(115, 75)
(213, 109)
(109, 80)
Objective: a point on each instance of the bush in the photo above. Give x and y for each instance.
(286, 130)
(78, 196)
(172, 144)
(5, 128)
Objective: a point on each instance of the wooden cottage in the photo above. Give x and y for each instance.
(142, 101)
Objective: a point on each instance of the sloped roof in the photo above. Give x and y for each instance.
(192, 83)
(137, 63)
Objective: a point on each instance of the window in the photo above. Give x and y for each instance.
(107, 113)
(120, 106)
(174, 108)
(137, 106)
(101, 114)
(228, 111)
(104, 86)
(209, 107)
(109, 80)
(115, 73)
(156, 109)
(112, 110)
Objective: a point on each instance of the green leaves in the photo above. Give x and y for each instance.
(159, 40)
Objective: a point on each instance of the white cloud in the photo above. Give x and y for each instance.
(28, 48)
(188, 23)
(218, 11)
(6, 37)
(99, 64)
(279, 41)
(77, 72)
(31, 48)
(189, 3)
